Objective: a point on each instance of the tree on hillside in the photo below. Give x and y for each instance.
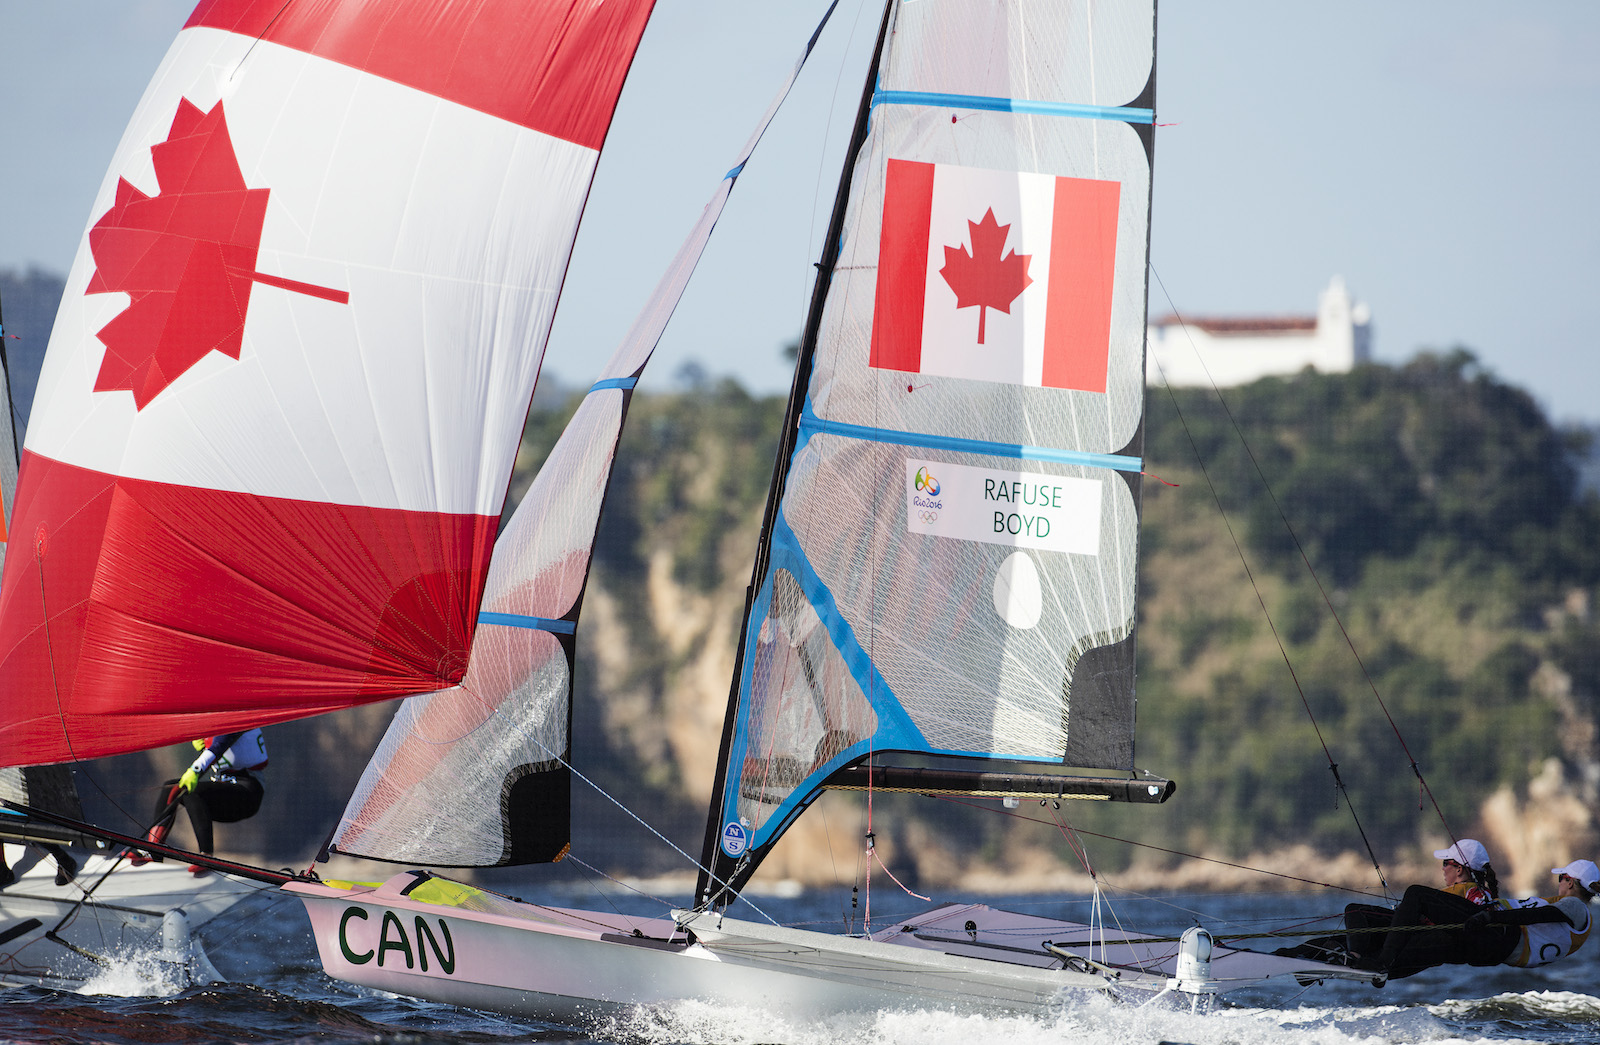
(1443, 516)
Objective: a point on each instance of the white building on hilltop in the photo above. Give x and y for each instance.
(1236, 350)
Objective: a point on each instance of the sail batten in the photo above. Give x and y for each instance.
(810, 422)
(1029, 106)
(523, 620)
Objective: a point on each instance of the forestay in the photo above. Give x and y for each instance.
(950, 569)
(479, 775)
(277, 418)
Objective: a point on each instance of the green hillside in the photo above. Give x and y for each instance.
(1440, 513)
(1438, 507)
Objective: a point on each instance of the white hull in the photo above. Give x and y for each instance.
(125, 917)
(578, 966)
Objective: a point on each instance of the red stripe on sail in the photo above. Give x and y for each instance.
(902, 266)
(555, 66)
(1083, 261)
(138, 614)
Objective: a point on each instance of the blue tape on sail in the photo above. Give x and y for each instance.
(518, 620)
(1126, 114)
(810, 422)
(624, 383)
(895, 731)
(734, 173)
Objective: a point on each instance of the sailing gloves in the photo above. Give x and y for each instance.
(191, 776)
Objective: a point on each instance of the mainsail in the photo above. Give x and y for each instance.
(948, 565)
(505, 730)
(277, 418)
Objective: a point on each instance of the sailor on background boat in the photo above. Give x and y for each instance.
(1551, 927)
(219, 786)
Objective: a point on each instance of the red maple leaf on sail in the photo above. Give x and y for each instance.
(186, 258)
(983, 277)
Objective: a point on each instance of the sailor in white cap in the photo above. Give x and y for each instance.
(1469, 879)
(1551, 927)
(1467, 873)
(1524, 933)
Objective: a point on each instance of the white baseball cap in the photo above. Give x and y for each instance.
(1468, 852)
(1587, 874)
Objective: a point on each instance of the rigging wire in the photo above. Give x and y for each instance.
(608, 796)
(1333, 766)
(1170, 852)
(586, 866)
(1312, 571)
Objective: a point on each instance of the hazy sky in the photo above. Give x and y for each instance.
(1441, 156)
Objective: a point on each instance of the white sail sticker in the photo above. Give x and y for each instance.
(1017, 509)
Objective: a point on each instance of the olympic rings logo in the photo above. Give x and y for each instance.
(929, 516)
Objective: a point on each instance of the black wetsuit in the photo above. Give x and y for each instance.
(225, 794)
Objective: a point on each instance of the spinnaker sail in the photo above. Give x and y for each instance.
(277, 418)
(948, 566)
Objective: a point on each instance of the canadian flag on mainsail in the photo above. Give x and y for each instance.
(995, 275)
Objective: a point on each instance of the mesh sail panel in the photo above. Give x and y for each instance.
(806, 709)
(504, 730)
(960, 509)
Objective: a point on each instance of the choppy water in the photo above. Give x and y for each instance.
(278, 993)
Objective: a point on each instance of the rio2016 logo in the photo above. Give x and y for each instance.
(925, 495)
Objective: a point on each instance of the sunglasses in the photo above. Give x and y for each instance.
(1452, 863)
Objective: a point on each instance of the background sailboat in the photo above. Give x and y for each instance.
(73, 903)
(275, 424)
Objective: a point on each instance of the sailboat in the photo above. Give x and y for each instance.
(942, 601)
(72, 905)
(276, 419)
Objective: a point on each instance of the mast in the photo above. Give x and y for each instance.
(714, 866)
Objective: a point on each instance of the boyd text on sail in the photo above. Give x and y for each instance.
(1018, 509)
